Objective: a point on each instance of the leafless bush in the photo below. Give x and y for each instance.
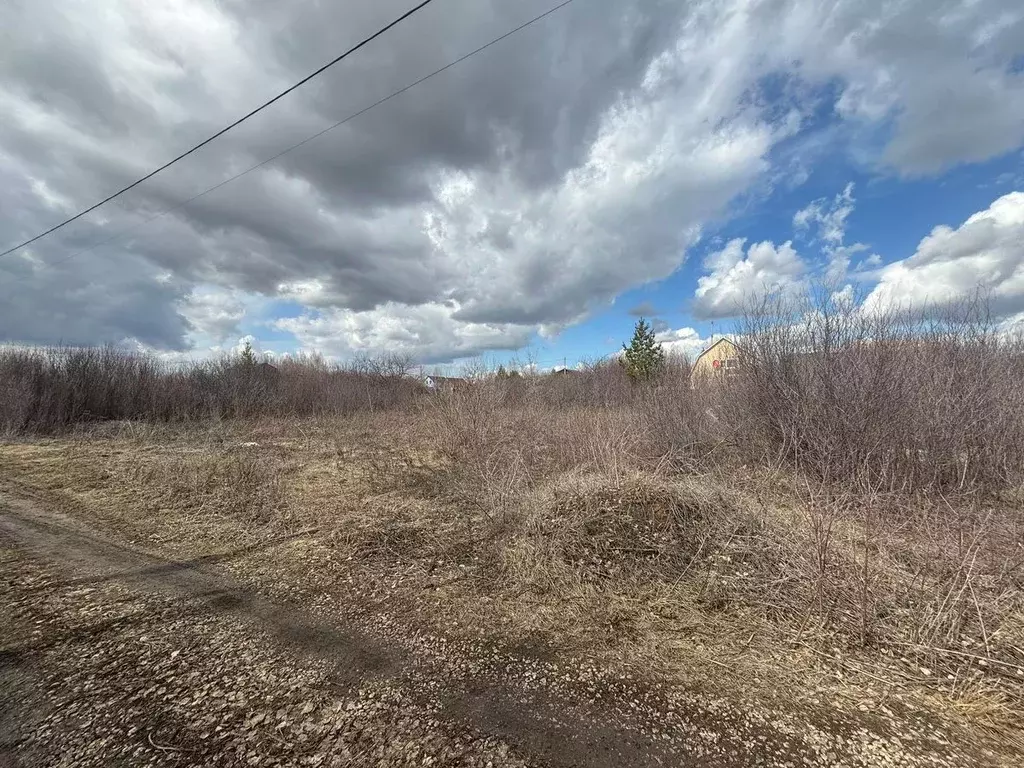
(44, 389)
(500, 450)
(53, 389)
(849, 485)
(893, 401)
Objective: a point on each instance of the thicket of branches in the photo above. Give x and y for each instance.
(897, 401)
(54, 389)
(889, 401)
(860, 471)
(893, 401)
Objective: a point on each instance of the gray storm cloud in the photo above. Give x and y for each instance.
(525, 188)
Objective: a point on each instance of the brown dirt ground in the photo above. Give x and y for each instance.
(127, 646)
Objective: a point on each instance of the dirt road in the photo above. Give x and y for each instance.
(112, 656)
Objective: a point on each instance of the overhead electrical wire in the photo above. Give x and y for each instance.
(293, 147)
(224, 130)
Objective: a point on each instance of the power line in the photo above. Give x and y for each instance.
(307, 140)
(222, 131)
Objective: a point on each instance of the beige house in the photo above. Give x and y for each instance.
(719, 360)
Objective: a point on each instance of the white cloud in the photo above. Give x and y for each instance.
(937, 71)
(213, 313)
(845, 297)
(684, 341)
(838, 260)
(656, 172)
(985, 253)
(1013, 327)
(735, 277)
(428, 332)
(827, 218)
(824, 222)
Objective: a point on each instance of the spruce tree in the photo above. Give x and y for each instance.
(644, 358)
(247, 355)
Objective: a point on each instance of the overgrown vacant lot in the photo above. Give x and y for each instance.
(743, 584)
(832, 547)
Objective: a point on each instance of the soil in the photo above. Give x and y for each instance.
(112, 656)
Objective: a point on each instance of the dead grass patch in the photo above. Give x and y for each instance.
(589, 527)
(743, 579)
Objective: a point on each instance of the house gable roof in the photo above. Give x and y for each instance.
(723, 340)
(445, 381)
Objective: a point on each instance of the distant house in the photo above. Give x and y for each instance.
(720, 360)
(264, 373)
(445, 383)
(564, 372)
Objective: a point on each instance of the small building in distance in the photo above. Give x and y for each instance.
(445, 383)
(268, 371)
(719, 360)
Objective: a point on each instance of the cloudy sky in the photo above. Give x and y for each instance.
(617, 158)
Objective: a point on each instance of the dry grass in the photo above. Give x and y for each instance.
(842, 523)
(738, 580)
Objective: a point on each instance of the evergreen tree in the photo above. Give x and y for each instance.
(502, 373)
(644, 358)
(248, 357)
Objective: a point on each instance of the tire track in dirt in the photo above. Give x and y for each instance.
(543, 715)
(355, 656)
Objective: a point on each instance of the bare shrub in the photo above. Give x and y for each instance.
(890, 400)
(856, 484)
(836, 489)
(45, 388)
(53, 389)
(499, 451)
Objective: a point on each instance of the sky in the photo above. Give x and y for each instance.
(616, 159)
